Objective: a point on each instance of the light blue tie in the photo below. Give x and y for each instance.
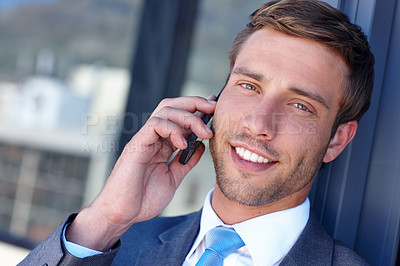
(221, 241)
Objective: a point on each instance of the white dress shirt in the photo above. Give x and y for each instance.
(267, 238)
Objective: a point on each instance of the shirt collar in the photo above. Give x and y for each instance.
(268, 237)
(208, 221)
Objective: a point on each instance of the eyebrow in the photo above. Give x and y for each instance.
(243, 71)
(312, 95)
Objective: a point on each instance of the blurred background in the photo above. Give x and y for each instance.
(64, 74)
(79, 78)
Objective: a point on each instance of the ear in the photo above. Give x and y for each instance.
(344, 134)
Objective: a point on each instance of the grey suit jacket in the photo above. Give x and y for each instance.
(166, 241)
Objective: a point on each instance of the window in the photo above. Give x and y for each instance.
(64, 75)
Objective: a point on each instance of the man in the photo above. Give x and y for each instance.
(301, 78)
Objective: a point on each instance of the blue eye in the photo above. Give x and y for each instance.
(248, 86)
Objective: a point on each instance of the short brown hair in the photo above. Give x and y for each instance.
(318, 21)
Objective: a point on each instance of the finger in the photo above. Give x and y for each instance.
(186, 120)
(155, 127)
(179, 171)
(167, 149)
(167, 130)
(188, 103)
(209, 98)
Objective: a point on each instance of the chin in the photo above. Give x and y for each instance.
(245, 193)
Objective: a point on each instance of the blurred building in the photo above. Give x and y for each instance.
(57, 141)
(61, 103)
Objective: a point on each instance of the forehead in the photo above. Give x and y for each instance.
(294, 61)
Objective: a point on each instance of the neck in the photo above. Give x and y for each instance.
(231, 212)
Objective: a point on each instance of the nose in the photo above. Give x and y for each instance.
(264, 118)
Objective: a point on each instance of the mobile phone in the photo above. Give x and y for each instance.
(191, 141)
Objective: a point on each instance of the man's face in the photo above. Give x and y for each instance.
(273, 120)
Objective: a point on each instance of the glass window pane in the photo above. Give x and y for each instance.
(64, 76)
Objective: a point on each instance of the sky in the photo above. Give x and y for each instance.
(14, 3)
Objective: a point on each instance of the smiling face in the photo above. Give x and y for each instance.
(273, 120)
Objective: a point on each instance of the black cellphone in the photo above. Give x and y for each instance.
(191, 141)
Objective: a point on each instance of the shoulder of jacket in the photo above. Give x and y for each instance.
(344, 254)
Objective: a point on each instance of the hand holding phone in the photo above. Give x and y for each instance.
(191, 141)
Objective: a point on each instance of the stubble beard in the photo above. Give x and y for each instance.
(240, 189)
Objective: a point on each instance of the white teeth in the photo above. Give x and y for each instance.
(241, 152)
(247, 155)
(250, 156)
(254, 157)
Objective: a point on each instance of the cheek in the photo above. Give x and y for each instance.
(312, 130)
(285, 124)
(316, 141)
(302, 138)
(228, 116)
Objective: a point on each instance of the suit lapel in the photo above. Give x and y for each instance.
(175, 244)
(314, 246)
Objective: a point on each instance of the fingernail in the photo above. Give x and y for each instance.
(183, 142)
(212, 102)
(208, 129)
(212, 96)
